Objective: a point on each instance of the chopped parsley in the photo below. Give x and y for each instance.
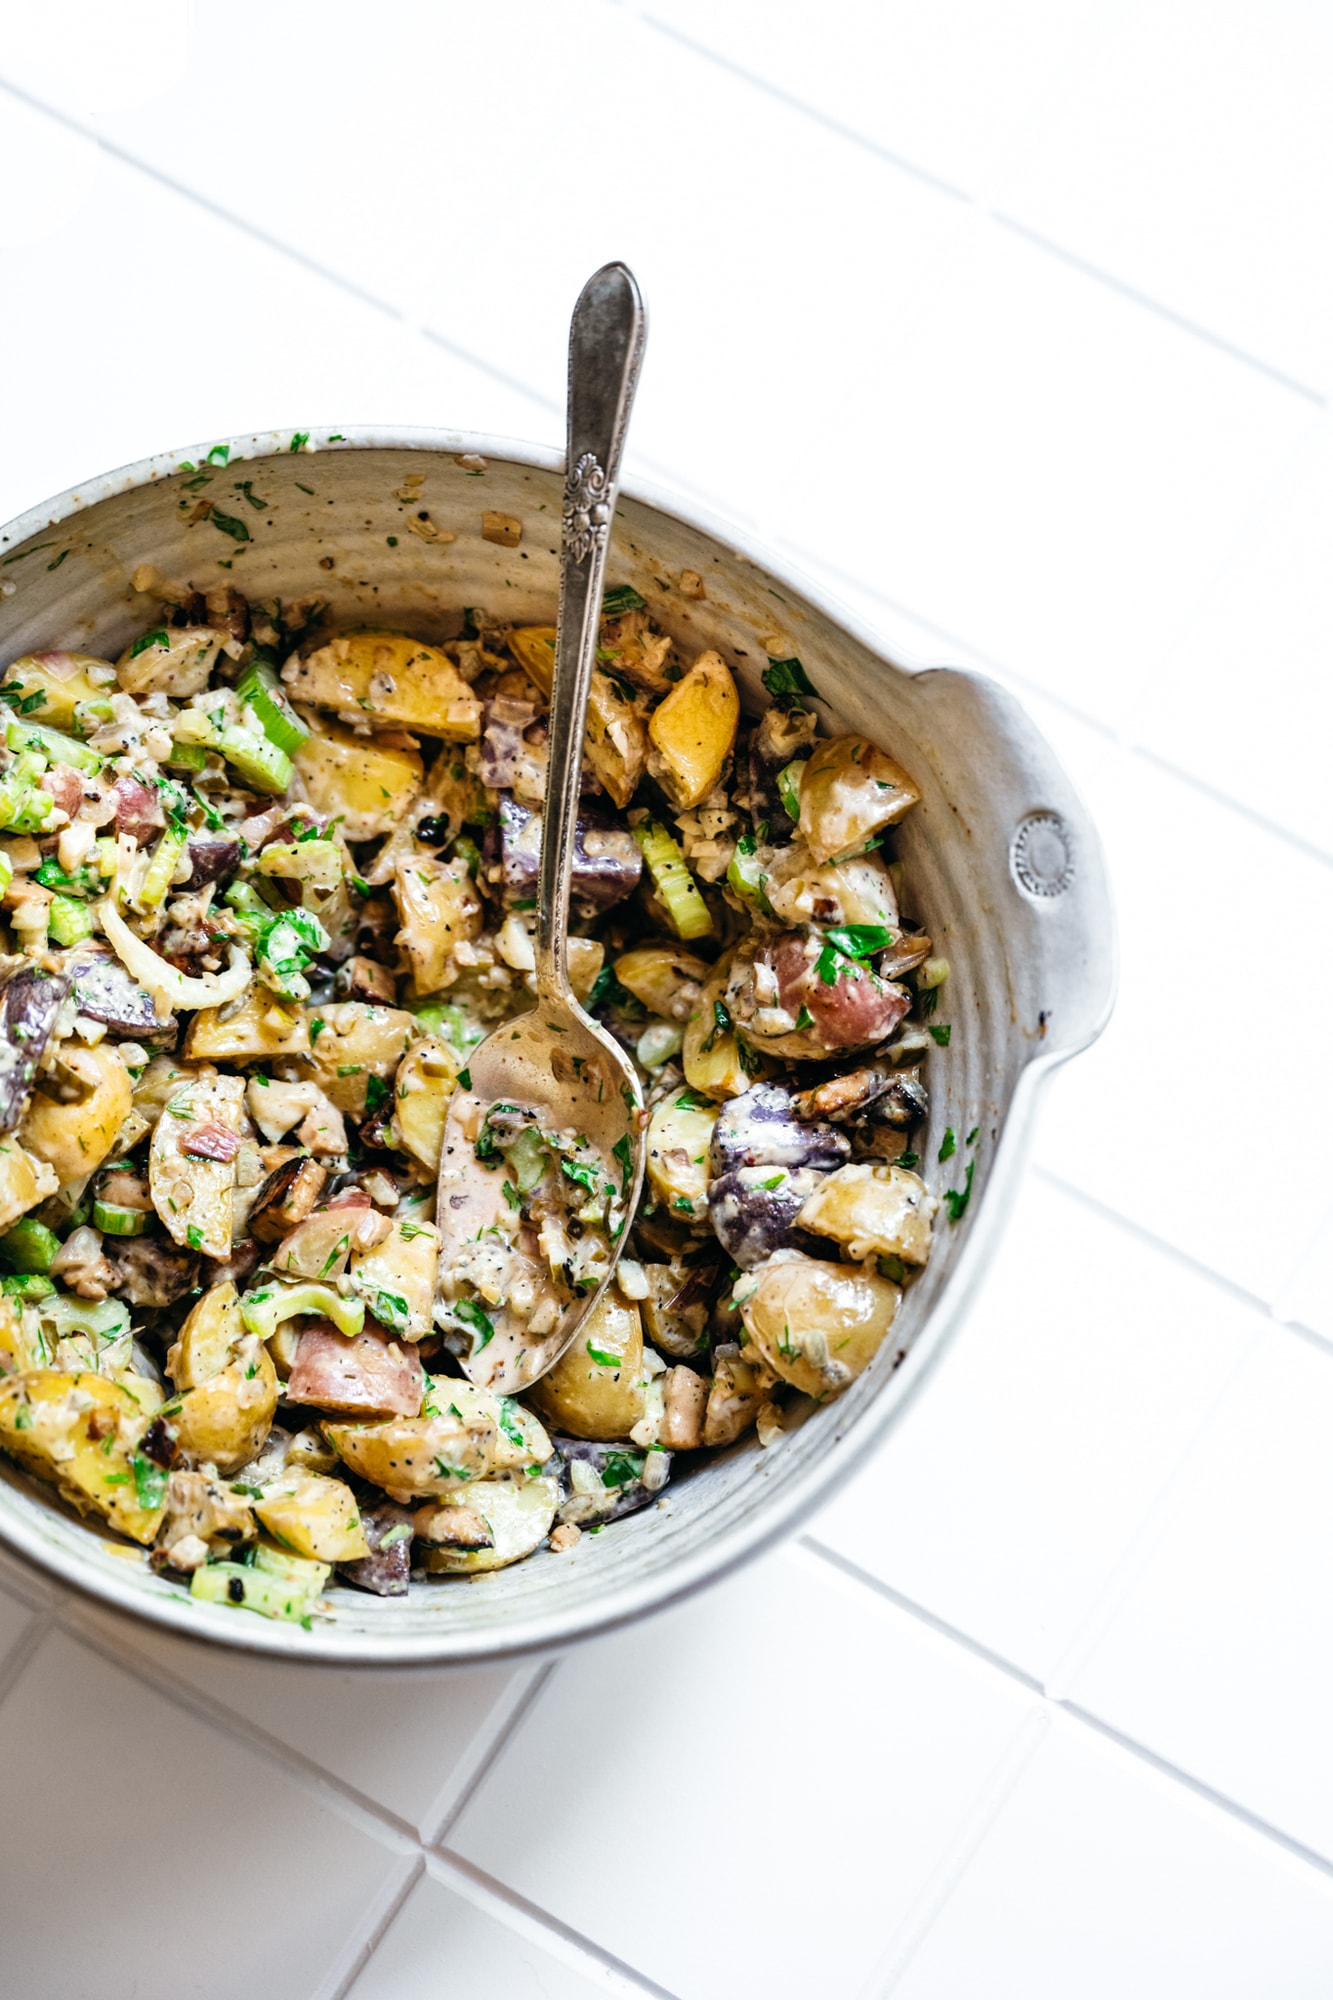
(956, 1199)
(787, 681)
(621, 1468)
(479, 1320)
(859, 940)
(939, 1033)
(948, 1145)
(229, 525)
(377, 1093)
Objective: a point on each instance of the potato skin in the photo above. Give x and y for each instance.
(693, 731)
(598, 1400)
(207, 1336)
(75, 1138)
(850, 791)
(227, 1418)
(817, 1325)
(426, 1457)
(875, 1209)
(256, 1027)
(314, 1516)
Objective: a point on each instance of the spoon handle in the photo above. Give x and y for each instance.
(606, 337)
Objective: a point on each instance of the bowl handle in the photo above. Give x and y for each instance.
(1037, 843)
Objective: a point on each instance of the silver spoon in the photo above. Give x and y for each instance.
(557, 1059)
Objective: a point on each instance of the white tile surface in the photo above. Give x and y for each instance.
(1307, 1296)
(1187, 151)
(16, 1618)
(1220, 1655)
(141, 1854)
(1005, 1497)
(1189, 875)
(1242, 697)
(404, 1742)
(705, 1703)
(1099, 1882)
(439, 1944)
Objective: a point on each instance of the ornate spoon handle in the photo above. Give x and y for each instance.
(606, 339)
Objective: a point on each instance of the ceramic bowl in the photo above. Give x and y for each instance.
(1004, 866)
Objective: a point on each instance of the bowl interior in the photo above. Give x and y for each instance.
(396, 532)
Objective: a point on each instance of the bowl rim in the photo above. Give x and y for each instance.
(554, 1630)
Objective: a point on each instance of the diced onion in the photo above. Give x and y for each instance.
(164, 981)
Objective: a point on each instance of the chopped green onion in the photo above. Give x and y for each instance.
(113, 1220)
(69, 921)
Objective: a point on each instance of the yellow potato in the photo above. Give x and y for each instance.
(191, 1193)
(81, 1432)
(595, 1389)
(850, 791)
(74, 1138)
(23, 1182)
(679, 1135)
(62, 680)
(439, 908)
(421, 1092)
(518, 1514)
(366, 784)
(257, 1026)
(533, 646)
(617, 742)
(397, 1278)
(357, 1041)
(203, 1347)
(734, 1396)
(227, 1418)
(815, 1324)
(315, 1517)
(391, 679)
(711, 1055)
(178, 662)
(663, 977)
(876, 1210)
(693, 730)
(443, 1451)
(799, 891)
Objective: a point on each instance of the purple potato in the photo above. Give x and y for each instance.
(29, 1002)
(607, 862)
(621, 1488)
(760, 1129)
(106, 993)
(753, 1212)
(385, 1570)
(211, 859)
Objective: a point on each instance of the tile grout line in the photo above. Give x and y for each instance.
(16, 1661)
(361, 1949)
(1004, 1779)
(497, 1899)
(1095, 273)
(454, 1798)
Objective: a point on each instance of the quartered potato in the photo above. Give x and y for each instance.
(596, 1388)
(390, 679)
(397, 1278)
(876, 1210)
(192, 1162)
(358, 1040)
(257, 1027)
(533, 646)
(225, 1420)
(314, 1517)
(516, 1516)
(713, 1060)
(816, 1325)
(367, 785)
(680, 1132)
(75, 1131)
(850, 791)
(211, 1332)
(617, 741)
(176, 660)
(49, 687)
(463, 1434)
(24, 1181)
(81, 1432)
(422, 1089)
(693, 732)
(439, 909)
(667, 980)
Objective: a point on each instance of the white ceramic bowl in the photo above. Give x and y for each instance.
(1003, 864)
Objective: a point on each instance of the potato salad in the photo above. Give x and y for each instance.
(266, 885)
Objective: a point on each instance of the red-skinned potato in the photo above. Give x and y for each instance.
(369, 1375)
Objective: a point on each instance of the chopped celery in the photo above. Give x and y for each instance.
(52, 744)
(264, 1311)
(673, 881)
(746, 877)
(23, 809)
(68, 920)
(527, 1159)
(113, 1220)
(253, 1589)
(162, 867)
(284, 948)
(27, 1286)
(188, 757)
(789, 787)
(29, 1246)
(261, 690)
(6, 871)
(262, 765)
(293, 1569)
